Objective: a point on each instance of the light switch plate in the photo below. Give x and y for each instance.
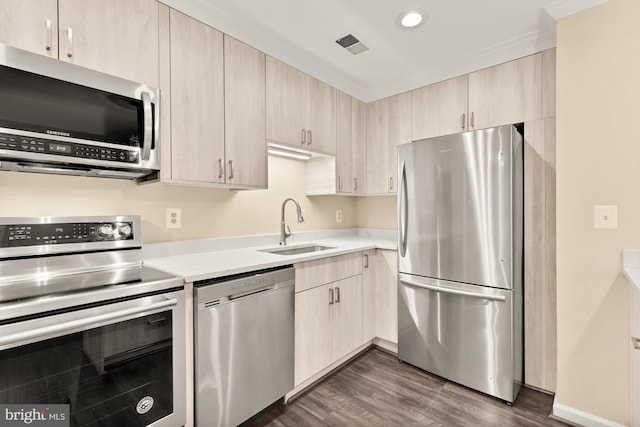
(605, 217)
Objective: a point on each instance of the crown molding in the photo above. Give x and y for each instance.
(505, 51)
(561, 8)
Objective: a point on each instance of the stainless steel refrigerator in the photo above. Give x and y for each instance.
(460, 258)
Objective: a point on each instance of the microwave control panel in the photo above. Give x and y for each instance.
(71, 149)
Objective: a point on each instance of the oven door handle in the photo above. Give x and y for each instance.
(148, 126)
(80, 324)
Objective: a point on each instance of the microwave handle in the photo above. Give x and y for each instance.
(148, 126)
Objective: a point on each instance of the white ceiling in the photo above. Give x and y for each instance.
(459, 36)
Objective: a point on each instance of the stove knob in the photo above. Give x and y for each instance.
(124, 230)
(105, 230)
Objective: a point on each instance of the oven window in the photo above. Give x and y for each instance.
(36, 103)
(117, 375)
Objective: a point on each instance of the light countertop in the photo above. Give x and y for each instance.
(210, 258)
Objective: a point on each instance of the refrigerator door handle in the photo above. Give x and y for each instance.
(500, 298)
(402, 211)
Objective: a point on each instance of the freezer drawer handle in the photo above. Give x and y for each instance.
(454, 291)
(75, 325)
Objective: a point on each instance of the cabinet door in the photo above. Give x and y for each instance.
(347, 316)
(368, 313)
(344, 152)
(377, 146)
(439, 109)
(118, 37)
(313, 332)
(359, 145)
(286, 114)
(197, 101)
(30, 25)
(386, 295)
(321, 116)
(399, 133)
(507, 93)
(244, 114)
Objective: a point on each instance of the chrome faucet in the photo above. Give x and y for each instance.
(285, 231)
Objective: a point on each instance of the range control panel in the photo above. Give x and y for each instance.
(85, 151)
(45, 234)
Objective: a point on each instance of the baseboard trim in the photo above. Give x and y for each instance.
(578, 417)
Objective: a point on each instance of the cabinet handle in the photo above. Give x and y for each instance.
(337, 294)
(473, 122)
(339, 182)
(230, 169)
(309, 138)
(303, 138)
(464, 116)
(70, 42)
(330, 296)
(47, 24)
(390, 183)
(220, 169)
(366, 260)
(355, 184)
(636, 343)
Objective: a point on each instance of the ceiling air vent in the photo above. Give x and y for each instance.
(352, 44)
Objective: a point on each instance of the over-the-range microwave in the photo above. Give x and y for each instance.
(57, 117)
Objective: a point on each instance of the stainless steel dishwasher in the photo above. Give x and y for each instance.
(244, 346)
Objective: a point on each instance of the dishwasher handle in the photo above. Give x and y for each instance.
(212, 302)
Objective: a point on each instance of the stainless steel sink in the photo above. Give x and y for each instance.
(295, 250)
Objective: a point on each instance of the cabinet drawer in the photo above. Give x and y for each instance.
(315, 273)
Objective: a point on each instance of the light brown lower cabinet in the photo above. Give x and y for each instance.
(328, 325)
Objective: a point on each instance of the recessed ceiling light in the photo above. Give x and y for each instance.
(411, 18)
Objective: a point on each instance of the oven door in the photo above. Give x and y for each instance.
(118, 364)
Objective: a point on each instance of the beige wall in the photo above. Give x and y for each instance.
(377, 212)
(598, 163)
(205, 212)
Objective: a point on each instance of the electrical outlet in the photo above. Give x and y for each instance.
(605, 217)
(338, 215)
(174, 218)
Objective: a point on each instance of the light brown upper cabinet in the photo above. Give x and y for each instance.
(117, 37)
(197, 101)
(30, 25)
(359, 146)
(344, 173)
(350, 151)
(388, 125)
(514, 92)
(214, 86)
(301, 110)
(439, 109)
(506, 93)
(344, 151)
(245, 145)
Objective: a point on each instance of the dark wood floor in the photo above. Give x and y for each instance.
(376, 390)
